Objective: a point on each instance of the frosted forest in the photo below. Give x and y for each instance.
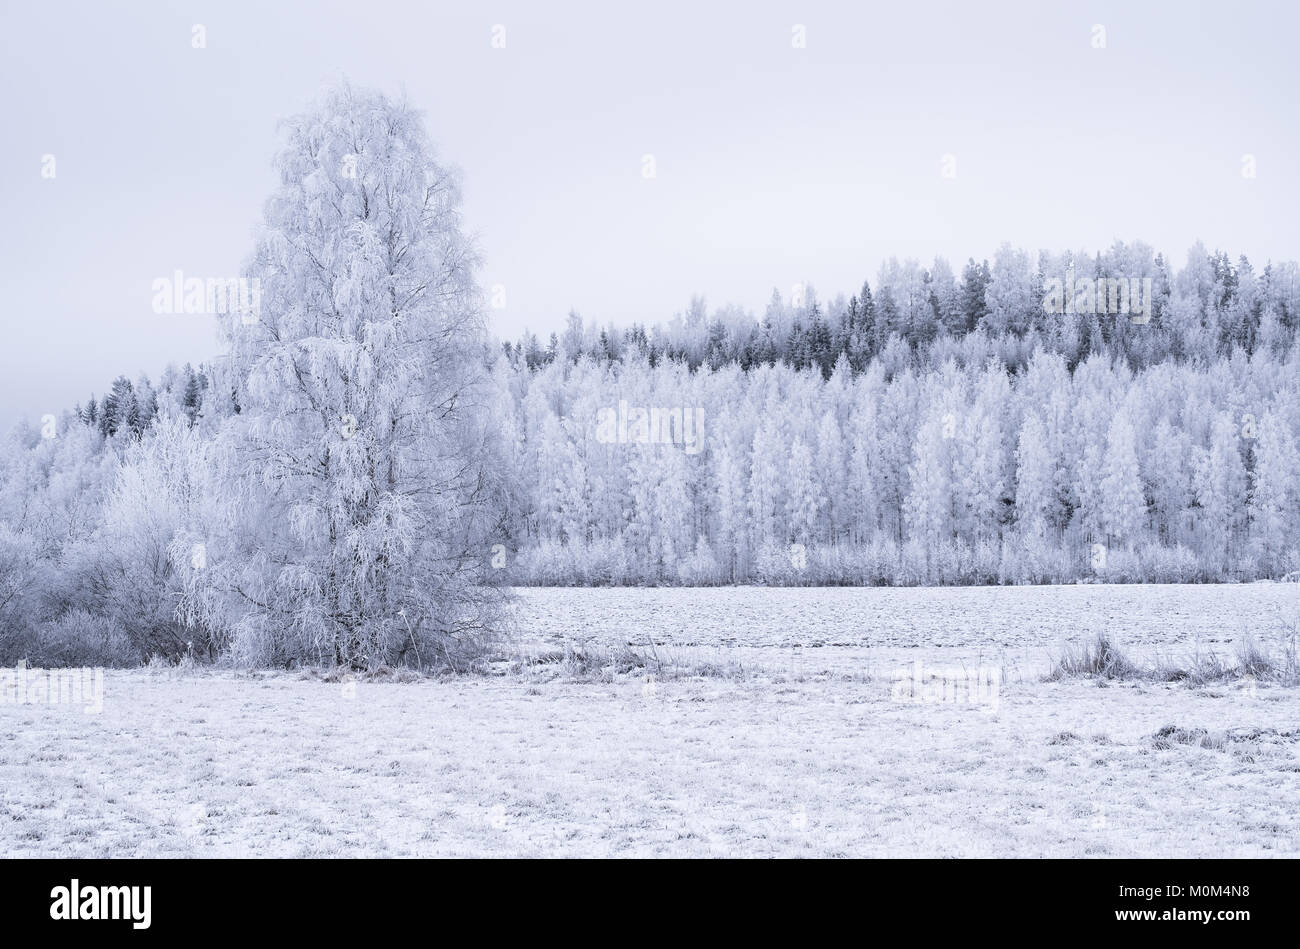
(365, 471)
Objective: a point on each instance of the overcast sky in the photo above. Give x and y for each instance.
(775, 165)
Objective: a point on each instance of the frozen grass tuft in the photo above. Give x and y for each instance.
(1282, 667)
(1064, 738)
(380, 673)
(1171, 735)
(1101, 659)
(1245, 743)
(598, 663)
(1097, 659)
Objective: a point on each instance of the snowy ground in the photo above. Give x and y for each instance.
(874, 629)
(811, 760)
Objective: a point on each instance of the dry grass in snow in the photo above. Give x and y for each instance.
(540, 763)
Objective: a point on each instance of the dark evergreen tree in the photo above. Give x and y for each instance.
(974, 281)
(191, 395)
(119, 410)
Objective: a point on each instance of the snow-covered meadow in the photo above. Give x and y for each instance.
(776, 751)
(873, 629)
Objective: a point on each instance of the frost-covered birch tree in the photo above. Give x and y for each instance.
(359, 434)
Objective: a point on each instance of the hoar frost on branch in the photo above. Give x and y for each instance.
(358, 438)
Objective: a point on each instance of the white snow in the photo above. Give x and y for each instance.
(809, 760)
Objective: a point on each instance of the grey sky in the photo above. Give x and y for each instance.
(775, 165)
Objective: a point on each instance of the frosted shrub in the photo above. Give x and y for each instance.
(17, 568)
(81, 638)
(545, 564)
(773, 566)
(832, 564)
(914, 566)
(701, 568)
(1033, 560)
(604, 563)
(131, 571)
(1168, 565)
(601, 562)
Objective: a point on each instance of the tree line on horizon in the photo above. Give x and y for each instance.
(1204, 311)
(1033, 447)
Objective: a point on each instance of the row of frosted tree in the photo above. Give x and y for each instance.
(131, 407)
(961, 474)
(1206, 311)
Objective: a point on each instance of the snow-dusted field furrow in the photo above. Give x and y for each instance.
(874, 627)
(808, 751)
(223, 765)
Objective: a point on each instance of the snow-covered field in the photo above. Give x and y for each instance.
(797, 756)
(874, 629)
